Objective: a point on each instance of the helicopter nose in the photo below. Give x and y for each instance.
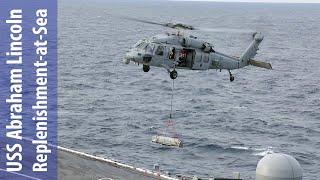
(127, 58)
(132, 56)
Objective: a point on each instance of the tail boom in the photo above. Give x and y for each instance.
(251, 51)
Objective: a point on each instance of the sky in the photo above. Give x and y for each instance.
(271, 1)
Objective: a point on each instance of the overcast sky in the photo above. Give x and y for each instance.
(272, 1)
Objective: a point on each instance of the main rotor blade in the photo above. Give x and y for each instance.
(183, 26)
(169, 25)
(145, 21)
(227, 30)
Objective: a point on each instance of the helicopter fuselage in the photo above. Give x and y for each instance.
(175, 51)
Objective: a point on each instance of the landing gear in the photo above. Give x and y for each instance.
(231, 76)
(173, 74)
(146, 68)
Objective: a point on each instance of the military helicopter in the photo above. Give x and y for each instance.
(178, 51)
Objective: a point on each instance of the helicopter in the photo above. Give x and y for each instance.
(176, 50)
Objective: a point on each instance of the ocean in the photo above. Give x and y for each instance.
(110, 109)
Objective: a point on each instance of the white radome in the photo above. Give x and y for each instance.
(278, 166)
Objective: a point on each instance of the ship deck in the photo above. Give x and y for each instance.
(74, 165)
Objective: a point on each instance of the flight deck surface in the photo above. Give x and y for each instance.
(74, 165)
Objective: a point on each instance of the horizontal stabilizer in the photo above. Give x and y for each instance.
(260, 64)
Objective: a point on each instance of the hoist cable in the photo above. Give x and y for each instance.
(171, 105)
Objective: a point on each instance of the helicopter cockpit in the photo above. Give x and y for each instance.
(144, 46)
(140, 44)
(141, 52)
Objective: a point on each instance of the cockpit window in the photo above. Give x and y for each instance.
(140, 45)
(149, 48)
(159, 50)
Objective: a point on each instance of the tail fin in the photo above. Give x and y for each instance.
(251, 51)
(260, 64)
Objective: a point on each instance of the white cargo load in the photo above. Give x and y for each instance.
(167, 141)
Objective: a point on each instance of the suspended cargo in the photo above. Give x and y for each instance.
(167, 141)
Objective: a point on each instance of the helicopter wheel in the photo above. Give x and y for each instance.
(146, 68)
(173, 74)
(231, 78)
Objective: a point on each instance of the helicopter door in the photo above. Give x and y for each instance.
(190, 57)
(186, 58)
(200, 60)
(159, 54)
(205, 60)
